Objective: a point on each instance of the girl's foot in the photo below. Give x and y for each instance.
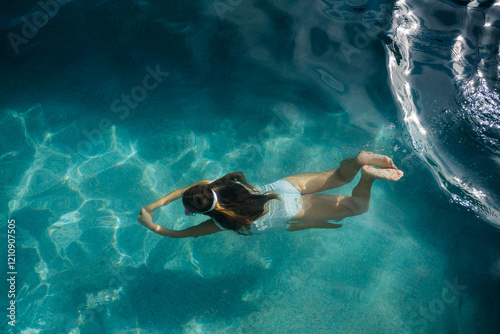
(370, 158)
(386, 173)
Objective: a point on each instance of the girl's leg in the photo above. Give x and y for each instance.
(321, 208)
(361, 193)
(304, 225)
(309, 183)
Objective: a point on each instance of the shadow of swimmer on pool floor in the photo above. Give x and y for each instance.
(290, 203)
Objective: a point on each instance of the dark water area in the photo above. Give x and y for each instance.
(107, 105)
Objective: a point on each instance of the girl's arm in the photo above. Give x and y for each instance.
(205, 228)
(176, 194)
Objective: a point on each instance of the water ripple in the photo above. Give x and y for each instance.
(444, 73)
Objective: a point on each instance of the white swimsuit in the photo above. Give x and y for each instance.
(279, 212)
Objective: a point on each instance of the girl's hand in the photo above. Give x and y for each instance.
(149, 210)
(144, 217)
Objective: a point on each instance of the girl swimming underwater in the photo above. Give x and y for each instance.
(291, 203)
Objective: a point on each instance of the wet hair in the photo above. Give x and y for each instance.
(239, 204)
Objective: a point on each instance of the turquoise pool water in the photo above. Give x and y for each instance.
(111, 105)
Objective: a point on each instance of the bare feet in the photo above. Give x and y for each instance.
(370, 158)
(385, 173)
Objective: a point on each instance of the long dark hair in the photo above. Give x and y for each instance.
(238, 203)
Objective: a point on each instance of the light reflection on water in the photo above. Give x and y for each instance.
(451, 110)
(270, 90)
